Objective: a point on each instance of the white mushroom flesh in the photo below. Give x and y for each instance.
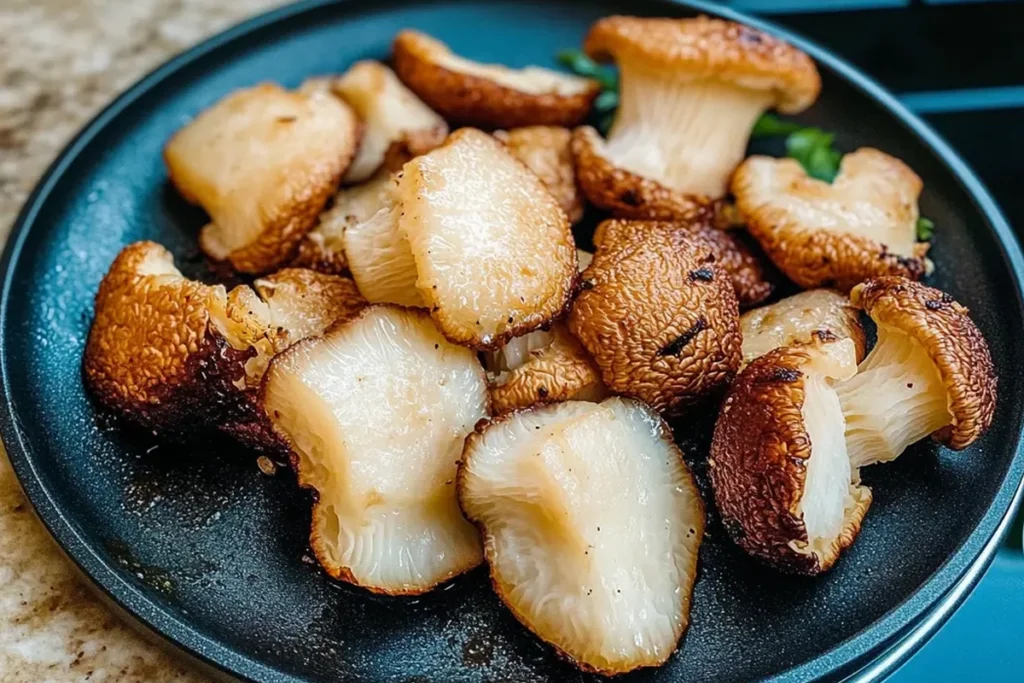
(829, 473)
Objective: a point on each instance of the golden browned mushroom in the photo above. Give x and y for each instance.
(493, 252)
(397, 125)
(172, 354)
(375, 413)
(691, 90)
(545, 151)
(749, 277)
(783, 481)
(930, 372)
(862, 225)
(489, 95)
(323, 247)
(658, 315)
(262, 162)
(541, 367)
(591, 523)
(800, 319)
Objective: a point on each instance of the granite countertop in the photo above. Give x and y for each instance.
(60, 62)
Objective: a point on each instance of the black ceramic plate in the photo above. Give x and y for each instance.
(203, 549)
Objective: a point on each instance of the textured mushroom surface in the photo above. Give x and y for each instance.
(658, 315)
(591, 524)
(783, 481)
(542, 367)
(323, 247)
(930, 372)
(397, 125)
(546, 151)
(375, 413)
(303, 303)
(262, 162)
(817, 314)
(690, 92)
(493, 251)
(489, 95)
(862, 225)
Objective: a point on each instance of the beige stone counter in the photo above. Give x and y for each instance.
(60, 62)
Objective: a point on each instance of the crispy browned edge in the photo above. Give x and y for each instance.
(530, 323)
(758, 464)
(626, 194)
(478, 101)
(497, 582)
(339, 572)
(953, 342)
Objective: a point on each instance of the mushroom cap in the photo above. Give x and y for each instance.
(658, 316)
(494, 254)
(749, 277)
(323, 247)
(560, 370)
(154, 354)
(861, 225)
(704, 48)
(801, 319)
(376, 412)
(397, 125)
(592, 524)
(761, 460)
(953, 342)
(489, 95)
(626, 194)
(546, 151)
(262, 162)
(304, 303)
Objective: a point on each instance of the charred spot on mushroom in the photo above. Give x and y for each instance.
(676, 345)
(703, 274)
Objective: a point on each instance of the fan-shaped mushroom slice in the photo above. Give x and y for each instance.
(658, 315)
(545, 150)
(397, 125)
(591, 525)
(800, 319)
(782, 477)
(862, 225)
(691, 90)
(323, 248)
(494, 254)
(376, 412)
(489, 95)
(542, 367)
(930, 372)
(262, 162)
(175, 355)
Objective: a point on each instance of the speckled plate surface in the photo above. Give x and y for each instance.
(200, 547)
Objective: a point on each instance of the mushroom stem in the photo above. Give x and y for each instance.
(687, 135)
(896, 398)
(827, 488)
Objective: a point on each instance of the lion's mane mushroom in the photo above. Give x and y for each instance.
(375, 413)
(930, 372)
(783, 481)
(397, 125)
(799, 319)
(591, 523)
(323, 247)
(173, 355)
(862, 225)
(545, 151)
(489, 95)
(262, 162)
(751, 280)
(658, 316)
(691, 90)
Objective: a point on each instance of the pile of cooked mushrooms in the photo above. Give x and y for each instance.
(461, 384)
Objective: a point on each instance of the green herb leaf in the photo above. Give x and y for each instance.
(607, 101)
(770, 125)
(605, 123)
(925, 229)
(582, 65)
(812, 147)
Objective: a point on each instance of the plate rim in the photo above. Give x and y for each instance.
(869, 655)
